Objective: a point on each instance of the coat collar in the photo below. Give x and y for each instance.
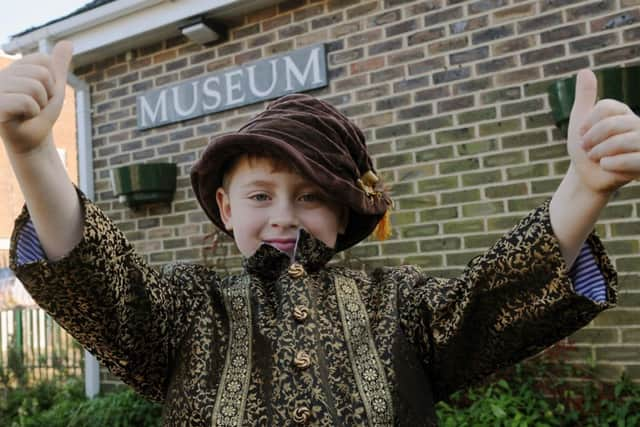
(269, 262)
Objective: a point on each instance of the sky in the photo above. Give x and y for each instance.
(19, 15)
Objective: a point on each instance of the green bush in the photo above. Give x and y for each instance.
(498, 405)
(122, 409)
(22, 402)
(545, 392)
(56, 404)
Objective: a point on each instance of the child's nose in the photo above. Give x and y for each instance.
(284, 216)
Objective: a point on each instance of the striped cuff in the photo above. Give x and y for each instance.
(587, 278)
(28, 248)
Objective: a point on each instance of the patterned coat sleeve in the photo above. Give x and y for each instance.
(122, 310)
(508, 304)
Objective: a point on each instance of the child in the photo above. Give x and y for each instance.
(290, 340)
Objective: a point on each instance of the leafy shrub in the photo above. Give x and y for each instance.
(498, 405)
(544, 392)
(23, 402)
(121, 409)
(56, 404)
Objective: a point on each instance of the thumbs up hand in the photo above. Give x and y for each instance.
(603, 139)
(31, 96)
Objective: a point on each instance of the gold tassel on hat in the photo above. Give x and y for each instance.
(367, 183)
(383, 228)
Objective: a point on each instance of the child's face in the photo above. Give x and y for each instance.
(266, 205)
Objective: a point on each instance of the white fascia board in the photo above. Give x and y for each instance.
(77, 23)
(126, 24)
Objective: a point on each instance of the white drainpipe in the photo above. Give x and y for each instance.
(85, 182)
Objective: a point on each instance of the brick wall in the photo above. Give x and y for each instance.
(452, 97)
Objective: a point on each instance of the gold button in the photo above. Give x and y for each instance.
(302, 415)
(296, 270)
(302, 360)
(300, 313)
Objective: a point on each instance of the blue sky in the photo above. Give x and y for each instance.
(18, 15)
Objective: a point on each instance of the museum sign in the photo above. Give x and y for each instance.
(296, 71)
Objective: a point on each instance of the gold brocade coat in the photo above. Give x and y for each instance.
(284, 344)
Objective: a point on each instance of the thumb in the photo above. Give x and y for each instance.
(61, 58)
(586, 96)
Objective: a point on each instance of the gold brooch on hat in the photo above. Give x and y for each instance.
(367, 183)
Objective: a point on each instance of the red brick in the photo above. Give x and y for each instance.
(615, 55)
(566, 66)
(496, 65)
(438, 18)
(426, 35)
(326, 20)
(590, 9)
(563, 33)
(367, 65)
(276, 22)
(540, 22)
(632, 34)
(384, 18)
(544, 54)
(364, 38)
(518, 76)
(514, 13)
(345, 29)
(513, 45)
(372, 92)
(363, 9)
(621, 19)
(423, 7)
(469, 24)
(242, 32)
(448, 44)
(308, 12)
(404, 56)
(427, 65)
(593, 43)
(485, 5)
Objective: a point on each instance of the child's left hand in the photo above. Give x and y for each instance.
(603, 139)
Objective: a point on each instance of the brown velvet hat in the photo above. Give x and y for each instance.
(323, 144)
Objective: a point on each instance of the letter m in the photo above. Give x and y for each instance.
(312, 66)
(149, 116)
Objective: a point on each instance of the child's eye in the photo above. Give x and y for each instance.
(260, 197)
(309, 197)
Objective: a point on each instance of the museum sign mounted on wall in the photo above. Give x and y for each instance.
(296, 71)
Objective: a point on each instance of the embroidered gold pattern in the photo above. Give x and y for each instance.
(367, 368)
(234, 383)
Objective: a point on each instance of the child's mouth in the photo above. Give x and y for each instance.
(285, 245)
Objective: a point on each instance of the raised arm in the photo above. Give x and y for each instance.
(31, 97)
(604, 145)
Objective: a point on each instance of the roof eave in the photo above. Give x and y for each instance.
(125, 24)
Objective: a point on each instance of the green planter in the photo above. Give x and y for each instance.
(620, 83)
(147, 183)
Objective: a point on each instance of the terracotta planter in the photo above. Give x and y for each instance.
(620, 83)
(147, 183)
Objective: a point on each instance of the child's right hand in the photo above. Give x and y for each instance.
(31, 96)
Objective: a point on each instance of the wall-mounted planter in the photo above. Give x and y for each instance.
(620, 83)
(147, 183)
